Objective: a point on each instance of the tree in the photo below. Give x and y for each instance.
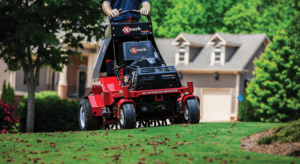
(240, 18)
(158, 13)
(182, 17)
(213, 13)
(256, 16)
(28, 36)
(275, 90)
(294, 35)
(189, 16)
(230, 16)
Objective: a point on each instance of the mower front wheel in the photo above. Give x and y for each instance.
(127, 116)
(192, 111)
(87, 121)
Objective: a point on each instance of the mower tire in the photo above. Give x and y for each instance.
(192, 111)
(127, 116)
(87, 121)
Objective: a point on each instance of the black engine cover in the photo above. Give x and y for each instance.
(153, 77)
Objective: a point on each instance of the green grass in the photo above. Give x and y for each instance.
(96, 146)
(286, 133)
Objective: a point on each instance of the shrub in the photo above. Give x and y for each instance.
(3, 90)
(246, 111)
(275, 90)
(286, 133)
(7, 118)
(51, 113)
(8, 94)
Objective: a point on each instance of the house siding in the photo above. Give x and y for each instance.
(202, 81)
(250, 68)
(20, 86)
(208, 80)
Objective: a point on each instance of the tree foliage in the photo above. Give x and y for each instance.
(258, 16)
(36, 33)
(229, 16)
(180, 17)
(275, 90)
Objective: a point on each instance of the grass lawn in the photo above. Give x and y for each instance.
(166, 144)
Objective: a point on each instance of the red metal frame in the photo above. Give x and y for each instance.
(110, 89)
(97, 104)
(161, 97)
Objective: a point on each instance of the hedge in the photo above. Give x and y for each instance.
(51, 113)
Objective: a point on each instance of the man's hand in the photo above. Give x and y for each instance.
(108, 11)
(144, 11)
(115, 13)
(145, 8)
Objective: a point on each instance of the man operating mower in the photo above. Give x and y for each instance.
(112, 8)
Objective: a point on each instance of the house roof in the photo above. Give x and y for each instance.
(195, 39)
(167, 50)
(249, 44)
(232, 39)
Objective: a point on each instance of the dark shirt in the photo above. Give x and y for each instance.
(126, 5)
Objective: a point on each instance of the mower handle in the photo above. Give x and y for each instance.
(132, 11)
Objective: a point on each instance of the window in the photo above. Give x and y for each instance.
(218, 50)
(181, 53)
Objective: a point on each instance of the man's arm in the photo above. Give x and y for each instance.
(145, 10)
(108, 11)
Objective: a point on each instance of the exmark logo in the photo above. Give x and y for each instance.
(127, 29)
(134, 50)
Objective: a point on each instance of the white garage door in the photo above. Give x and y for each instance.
(216, 105)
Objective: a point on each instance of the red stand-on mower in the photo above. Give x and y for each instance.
(132, 84)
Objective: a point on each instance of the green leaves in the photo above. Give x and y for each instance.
(231, 16)
(275, 89)
(36, 24)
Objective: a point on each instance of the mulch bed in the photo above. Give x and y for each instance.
(286, 149)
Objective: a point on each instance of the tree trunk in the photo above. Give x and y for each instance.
(30, 108)
(30, 77)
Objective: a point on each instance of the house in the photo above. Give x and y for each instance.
(72, 82)
(220, 65)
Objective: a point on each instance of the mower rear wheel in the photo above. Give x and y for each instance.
(192, 111)
(87, 121)
(127, 116)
